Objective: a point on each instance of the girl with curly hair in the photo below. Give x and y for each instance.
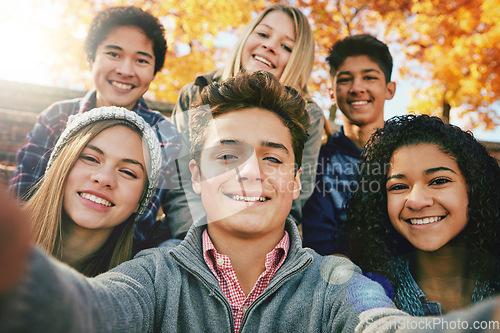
(426, 215)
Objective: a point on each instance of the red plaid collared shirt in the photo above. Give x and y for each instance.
(221, 266)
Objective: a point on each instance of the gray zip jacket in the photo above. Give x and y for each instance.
(171, 289)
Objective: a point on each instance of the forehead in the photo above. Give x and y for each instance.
(420, 157)
(358, 63)
(252, 126)
(127, 34)
(279, 20)
(117, 135)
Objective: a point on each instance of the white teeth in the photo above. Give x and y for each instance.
(263, 60)
(248, 199)
(95, 199)
(122, 85)
(424, 220)
(359, 102)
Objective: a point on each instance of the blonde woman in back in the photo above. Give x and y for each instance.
(279, 41)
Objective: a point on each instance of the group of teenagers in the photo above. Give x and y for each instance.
(233, 215)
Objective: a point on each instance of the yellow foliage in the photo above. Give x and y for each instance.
(455, 43)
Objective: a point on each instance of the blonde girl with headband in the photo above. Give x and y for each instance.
(279, 41)
(100, 177)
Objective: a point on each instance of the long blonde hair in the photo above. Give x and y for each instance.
(299, 67)
(45, 207)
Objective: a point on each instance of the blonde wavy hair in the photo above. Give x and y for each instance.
(300, 64)
(45, 207)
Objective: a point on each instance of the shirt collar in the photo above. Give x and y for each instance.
(90, 101)
(211, 256)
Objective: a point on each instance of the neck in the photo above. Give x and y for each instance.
(79, 243)
(444, 277)
(359, 135)
(247, 255)
(449, 261)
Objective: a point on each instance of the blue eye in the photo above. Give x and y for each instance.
(287, 48)
(261, 34)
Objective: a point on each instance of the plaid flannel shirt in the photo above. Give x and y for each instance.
(33, 157)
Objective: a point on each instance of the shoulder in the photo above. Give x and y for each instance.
(154, 261)
(314, 111)
(200, 82)
(61, 109)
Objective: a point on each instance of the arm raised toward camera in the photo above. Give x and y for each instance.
(14, 242)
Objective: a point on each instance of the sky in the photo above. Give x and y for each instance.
(25, 47)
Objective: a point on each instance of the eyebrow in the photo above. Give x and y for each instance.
(116, 47)
(268, 26)
(433, 170)
(364, 71)
(427, 172)
(275, 145)
(126, 160)
(263, 143)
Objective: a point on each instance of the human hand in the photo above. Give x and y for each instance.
(14, 242)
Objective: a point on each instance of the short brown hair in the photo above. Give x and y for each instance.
(244, 91)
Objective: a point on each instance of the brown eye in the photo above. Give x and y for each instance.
(440, 181)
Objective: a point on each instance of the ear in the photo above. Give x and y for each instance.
(297, 185)
(90, 63)
(195, 176)
(390, 90)
(331, 92)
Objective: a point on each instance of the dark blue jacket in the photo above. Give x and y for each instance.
(323, 214)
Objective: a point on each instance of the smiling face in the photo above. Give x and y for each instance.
(247, 180)
(123, 67)
(107, 181)
(426, 196)
(269, 45)
(360, 91)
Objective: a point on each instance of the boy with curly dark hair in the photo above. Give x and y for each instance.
(125, 48)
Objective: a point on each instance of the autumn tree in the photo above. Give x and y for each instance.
(451, 46)
(457, 43)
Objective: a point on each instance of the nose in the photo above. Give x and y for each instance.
(418, 198)
(125, 67)
(357, 86)
(250, 170)
(104, 177)
(270, 45)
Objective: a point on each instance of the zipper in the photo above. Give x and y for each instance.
(286, 277)
(209, 286)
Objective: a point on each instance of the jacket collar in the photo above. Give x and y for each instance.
(204, 80)
(190, 251)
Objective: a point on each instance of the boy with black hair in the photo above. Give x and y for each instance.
(240, 269)
(360, 70)
(125, 48)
